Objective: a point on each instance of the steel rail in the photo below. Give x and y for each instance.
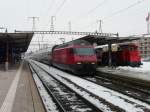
(113, 107)
(124, 86)
(50, 92)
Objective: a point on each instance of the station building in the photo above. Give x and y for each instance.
(144, 43)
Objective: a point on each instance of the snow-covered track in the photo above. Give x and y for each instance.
(123, 86)
(66, 99)
(133, 81)
(102, 94)
(45, 97)
(79, 103)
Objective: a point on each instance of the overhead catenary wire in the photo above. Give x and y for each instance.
(119, 11)
(97, 6)
(91, 11)
(124, 9)
(59, 8)
(50, 6)
(87, 26)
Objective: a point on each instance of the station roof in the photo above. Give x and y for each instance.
(102, 40)
(18, 41)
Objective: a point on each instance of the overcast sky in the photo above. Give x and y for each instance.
(127, 17)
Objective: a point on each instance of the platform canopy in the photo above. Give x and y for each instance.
(102, 40)
(12, 45)
(19, 42)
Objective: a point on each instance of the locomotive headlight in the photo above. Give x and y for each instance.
(92, 63)
(79, 63)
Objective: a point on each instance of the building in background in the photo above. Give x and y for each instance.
(144, 43)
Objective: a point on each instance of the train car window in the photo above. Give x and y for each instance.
(135, 48)
(84, 51)
(71, 51)
(131, 49)
(80, 42)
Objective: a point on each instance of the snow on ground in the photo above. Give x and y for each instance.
(120, 100)
(51, 81)
(47, 100)
(142, 72)
(145, 68)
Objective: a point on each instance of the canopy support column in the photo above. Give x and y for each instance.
(109, 55)
(7, 56)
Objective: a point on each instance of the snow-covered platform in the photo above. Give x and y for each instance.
(142, 72)
(18, 92)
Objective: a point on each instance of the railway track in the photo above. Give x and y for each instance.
(107, 97)
(132, 81)
(133, 89)
(45, 97)
(67, 99)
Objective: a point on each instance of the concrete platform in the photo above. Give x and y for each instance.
(18, 92)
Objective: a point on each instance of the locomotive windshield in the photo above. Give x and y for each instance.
(84, 51)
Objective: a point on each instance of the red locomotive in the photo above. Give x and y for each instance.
(77, 56)
(127, 54)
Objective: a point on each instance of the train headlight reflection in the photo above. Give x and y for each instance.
(79, 63)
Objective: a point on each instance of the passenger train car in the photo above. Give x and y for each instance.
(77, 56)
(43, 55)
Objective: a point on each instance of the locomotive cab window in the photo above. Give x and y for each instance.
(84, 51)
